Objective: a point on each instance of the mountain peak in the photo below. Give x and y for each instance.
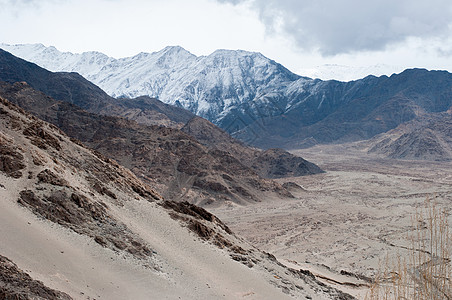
(236, 53)
(173, 49)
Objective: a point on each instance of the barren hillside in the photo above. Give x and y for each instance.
(81, 225)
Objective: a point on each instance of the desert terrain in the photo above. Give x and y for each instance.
(346, 223)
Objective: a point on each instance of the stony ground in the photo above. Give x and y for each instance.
(347, 220)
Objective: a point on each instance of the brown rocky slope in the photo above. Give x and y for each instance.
(271, 163)
(427, 137)
(178, 166)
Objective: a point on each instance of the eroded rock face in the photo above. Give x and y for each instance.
(47, 176)
(83, 215)
(15, 284)
(40, 137)
(196, 212)
(11, 160)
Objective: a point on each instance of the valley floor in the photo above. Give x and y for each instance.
(349, 219)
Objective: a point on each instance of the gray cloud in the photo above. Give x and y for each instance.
(16, 7)
(21, 3)
(231, 1)
(346, 26)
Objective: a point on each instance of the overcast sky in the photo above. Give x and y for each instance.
(297, 33)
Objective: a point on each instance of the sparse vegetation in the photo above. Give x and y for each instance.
(425, 273)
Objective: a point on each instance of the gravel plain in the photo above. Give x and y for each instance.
(346, 223)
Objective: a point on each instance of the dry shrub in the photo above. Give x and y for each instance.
(426, 271)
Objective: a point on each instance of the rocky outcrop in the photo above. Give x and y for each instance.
(278, 163)
(11, 160)
(16, 284)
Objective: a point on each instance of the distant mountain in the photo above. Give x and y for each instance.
(77, 225)
(259, 101)
(333, 112)
(208, 86)
(73, 88)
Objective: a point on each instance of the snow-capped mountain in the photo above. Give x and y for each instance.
(246, 83)
(87, 63)
(208, 86)
(256, 99)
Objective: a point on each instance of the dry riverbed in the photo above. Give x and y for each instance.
(347, 220)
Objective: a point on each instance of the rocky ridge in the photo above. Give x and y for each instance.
(428, 137)
(174, 162)
(271, 163)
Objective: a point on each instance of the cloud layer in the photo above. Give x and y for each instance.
(337, 27)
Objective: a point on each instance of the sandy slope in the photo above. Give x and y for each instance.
(78, 266)
(72, 263)
(69, 262)
(199, 267)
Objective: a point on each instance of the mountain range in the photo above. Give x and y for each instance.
(86, 206)
(207, 86)
(214, 170)
(256, 99)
